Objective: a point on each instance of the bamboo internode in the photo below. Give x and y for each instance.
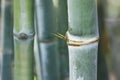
(7, 40)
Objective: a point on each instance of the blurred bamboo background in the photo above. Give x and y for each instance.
(55, 55)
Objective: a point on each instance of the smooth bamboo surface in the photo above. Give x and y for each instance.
(23, 39)
(47, 42)
(7, 40)
(62, 23)
(83, 27)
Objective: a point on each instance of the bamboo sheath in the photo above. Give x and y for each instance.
(47, 42)
(7, 40)
(83, 28)
(23, 39)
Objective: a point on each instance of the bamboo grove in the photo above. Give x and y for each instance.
(59, 39)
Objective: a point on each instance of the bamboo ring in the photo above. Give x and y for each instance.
(82, 42)
(76, 42)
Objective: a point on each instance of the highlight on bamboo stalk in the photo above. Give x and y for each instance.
(37, 47)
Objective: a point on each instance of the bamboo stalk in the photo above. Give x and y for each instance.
(7, 40)
(103, 51)
(47, 41)
(62, 23)
(23, 39)
(82, 39)
(112, 20)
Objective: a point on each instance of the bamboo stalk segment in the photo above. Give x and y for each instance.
(47, 42)
(103, 48)
(7, 40)
(83, 26)
(62, 23)
(23, 39)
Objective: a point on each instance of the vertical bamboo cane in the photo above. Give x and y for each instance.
(7, 40)
(62, 23)
(47, 41)
(102, 70)
(82, 37)
(112, 19)
(23, 39)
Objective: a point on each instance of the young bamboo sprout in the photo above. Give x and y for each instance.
(82, 37)
(47, 42)
(7, 40)
(23, 39)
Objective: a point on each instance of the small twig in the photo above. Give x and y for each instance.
(60, 36)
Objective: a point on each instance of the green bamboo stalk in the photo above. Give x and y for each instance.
(23, 39)
(7, 40)
(82, 39)
(102, 71)
(47, 41)
(62, 23)
(112, 20)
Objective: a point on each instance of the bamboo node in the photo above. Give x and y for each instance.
(82, 42)
(23, 36)
(76, 42)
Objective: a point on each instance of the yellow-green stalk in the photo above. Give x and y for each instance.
(23, 39)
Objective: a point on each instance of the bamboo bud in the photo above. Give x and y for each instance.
(23, 39)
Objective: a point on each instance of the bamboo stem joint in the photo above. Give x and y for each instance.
(77, 42)
(81, 42)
